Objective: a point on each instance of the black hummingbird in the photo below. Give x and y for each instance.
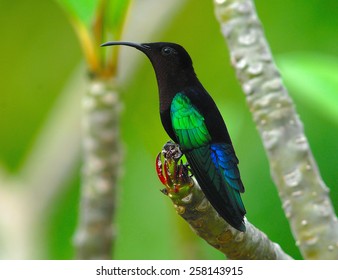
(191, 118)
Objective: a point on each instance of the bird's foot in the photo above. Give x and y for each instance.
(172, 172)
(171, 151)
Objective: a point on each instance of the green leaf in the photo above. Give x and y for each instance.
(117, 11)
(83, 10)
(312, 78)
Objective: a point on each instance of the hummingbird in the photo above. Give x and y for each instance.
(191, 118)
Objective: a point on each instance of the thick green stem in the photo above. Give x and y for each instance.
(102, 159)
(303, 193)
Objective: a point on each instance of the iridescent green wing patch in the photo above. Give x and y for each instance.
(188, 123)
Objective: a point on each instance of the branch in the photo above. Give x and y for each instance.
(102, 156)
(303, 193)
(192, 205)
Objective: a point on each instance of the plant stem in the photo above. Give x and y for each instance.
(102, 158)
(192, 205)
(236, 245)
(303, 193)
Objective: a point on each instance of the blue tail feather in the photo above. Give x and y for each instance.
(224, 158)
(215, 168)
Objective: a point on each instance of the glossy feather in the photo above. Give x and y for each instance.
(191, 118)
(213, 164)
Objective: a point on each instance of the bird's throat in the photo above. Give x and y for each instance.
(169, 84)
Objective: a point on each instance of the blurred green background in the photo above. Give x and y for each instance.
(39, 54)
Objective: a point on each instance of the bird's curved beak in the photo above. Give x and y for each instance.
(141, 47)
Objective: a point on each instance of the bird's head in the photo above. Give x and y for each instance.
(171, 62)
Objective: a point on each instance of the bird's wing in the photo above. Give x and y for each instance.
(224, 158)
(213, 164)
(218, 176)
(188, 124)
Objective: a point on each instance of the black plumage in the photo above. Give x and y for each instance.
(191, 118)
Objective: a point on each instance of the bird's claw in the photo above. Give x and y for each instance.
(172, 172)
(172, 151)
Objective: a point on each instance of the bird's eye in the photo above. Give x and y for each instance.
(168, 51)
